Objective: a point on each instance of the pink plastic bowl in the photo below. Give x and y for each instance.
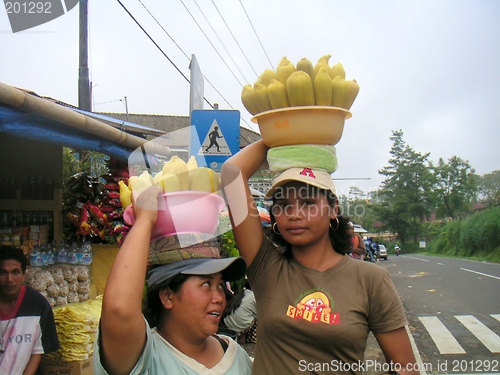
(184, 212)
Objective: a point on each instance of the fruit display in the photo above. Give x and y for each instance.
(92, 206)
(190, 203)
(176, 175)
(302, 85)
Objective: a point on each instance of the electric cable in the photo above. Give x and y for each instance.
(175, 66)
(241, 49)
(215, 49)
(253, 28)
(220, 41)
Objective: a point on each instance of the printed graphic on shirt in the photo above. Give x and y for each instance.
(314, 306)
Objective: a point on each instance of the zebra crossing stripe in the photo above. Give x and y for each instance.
(444, 340)
(489, 338)
(496, 316)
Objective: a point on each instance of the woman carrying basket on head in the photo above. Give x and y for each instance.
(316, 305)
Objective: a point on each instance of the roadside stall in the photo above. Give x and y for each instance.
(33, 206)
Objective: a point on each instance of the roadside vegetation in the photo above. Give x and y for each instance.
(443, 204)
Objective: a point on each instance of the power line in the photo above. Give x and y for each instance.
(150, 38)
(166, 56)
(253, 28)
(221, 42)
(165, 31)
(241, 49)
(215, 49)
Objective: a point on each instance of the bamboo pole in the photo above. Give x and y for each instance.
(42, 107)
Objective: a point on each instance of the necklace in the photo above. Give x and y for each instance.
(2, 350)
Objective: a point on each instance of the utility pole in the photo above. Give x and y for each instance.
(83, 69)
(83, 74)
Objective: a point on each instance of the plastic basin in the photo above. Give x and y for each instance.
(302, 125)
(184, 212)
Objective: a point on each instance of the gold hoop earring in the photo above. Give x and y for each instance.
(338, 224)
(276, 229)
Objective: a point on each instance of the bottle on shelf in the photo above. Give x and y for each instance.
(72, 253)
(62, 253)
(35, 257)
(85, 255)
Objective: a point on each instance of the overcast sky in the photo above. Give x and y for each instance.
(428, 67)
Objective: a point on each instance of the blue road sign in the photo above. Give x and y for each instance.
(217, 136)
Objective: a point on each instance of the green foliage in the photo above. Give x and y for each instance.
(406, 196)
(489, 187)
(455, 187)
(476, 236)
(228, 245)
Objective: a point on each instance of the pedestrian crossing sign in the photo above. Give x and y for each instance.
(217, 136)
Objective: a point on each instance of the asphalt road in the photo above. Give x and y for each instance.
(453, 307)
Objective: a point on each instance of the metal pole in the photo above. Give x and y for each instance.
(83, 69)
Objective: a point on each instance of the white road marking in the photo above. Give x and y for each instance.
(480, 273)
(416, 353)
(496, 316)
(489, 338)
(423, 260)
(444, 340)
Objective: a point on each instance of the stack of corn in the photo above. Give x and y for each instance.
(77, 325)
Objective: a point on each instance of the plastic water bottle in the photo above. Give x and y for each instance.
(50, 256)
(35, 257)
(45, 255)
(62, 253)
(72, 253)
(85, 255)
(55, 250)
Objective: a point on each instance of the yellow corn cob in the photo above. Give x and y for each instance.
(157, 177)
(141, 182)
(248, 100)
(299, 89)
(266, 77)
(125, 195)
(192, 164)
(205, 179)
(178, 167)
(352, 93)
(284, 70)
(323, 61)
(323, 87)
(306, 66)
(131, 182)
(260, 97)
(276, 92)
(338, 70)
(169, 182)
(344, 92)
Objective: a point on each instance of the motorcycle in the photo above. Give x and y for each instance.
(397, 249)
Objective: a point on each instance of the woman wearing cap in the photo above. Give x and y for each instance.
(185, 301)
(316, 305)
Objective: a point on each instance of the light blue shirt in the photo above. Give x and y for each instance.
(160, 357)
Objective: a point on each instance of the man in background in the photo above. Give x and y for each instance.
(27, 326)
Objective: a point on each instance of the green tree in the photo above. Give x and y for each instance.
(489, 187)
(456, 187)
(406, 196)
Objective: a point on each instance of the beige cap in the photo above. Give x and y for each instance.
(314, 177)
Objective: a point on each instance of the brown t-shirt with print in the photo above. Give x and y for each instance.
(318, 322)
